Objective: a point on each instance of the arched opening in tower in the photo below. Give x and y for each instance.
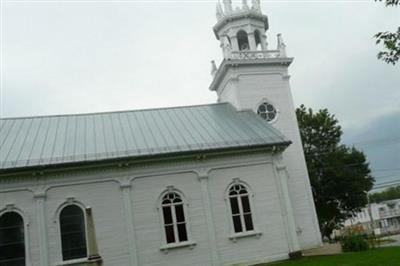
(243, 40)
(257, 37)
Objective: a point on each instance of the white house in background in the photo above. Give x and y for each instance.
(382, 218)
(216, 184)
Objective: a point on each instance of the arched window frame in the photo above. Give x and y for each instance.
(246, 41)
(235, 235)
(278, 112)
(12, 208)
(167, 246)
(258, 40)
(56, 220)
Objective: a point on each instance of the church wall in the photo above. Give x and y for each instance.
(102, 188)
(267, 215)
(257, 83)
(105, 200)
(149, 232)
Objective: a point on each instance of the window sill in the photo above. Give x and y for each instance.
(167, 247)
(82, 261)
(235, 236)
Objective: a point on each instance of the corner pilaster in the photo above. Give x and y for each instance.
(40, 200)
(202, 175)
(126, 186)
(283, 176)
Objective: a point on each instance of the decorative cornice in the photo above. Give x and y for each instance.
(226, 64)
(39, 194)
(238, 16)
(203, 174)
(280, 167)
(125, 184)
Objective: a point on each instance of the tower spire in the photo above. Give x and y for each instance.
(213, 68)
(228, 6)
(256, 5)
(245, 6)
(219, 11)
(281, 46)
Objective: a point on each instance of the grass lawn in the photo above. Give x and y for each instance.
(389, 256)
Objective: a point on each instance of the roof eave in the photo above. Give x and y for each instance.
(40, 169)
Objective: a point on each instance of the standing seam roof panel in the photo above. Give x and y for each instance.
(193, 136)
(203, 135)
(225, 137)
(77, 138)
(235, 128)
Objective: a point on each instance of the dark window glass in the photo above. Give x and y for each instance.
(177, 200)
(169, 233)
(237, 224)
(167, 215)
(73, 234)
(180, 217)
(182, 232)
(12, 242)
(245, 204)
(248, 222)
(234, 205)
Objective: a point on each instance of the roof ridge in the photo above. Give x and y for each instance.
(113, 112)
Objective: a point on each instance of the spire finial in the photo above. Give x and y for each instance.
(228, 6)
(256, 5)
(245, 6)
(213, 68)
(219, 11)
(281, 46)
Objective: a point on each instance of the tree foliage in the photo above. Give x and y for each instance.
(339, 175)
(390, 40)
(388, 194)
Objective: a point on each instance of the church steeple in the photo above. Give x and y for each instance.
(253, 77)
(242, 31)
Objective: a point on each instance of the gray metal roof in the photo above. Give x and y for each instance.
(48, 140)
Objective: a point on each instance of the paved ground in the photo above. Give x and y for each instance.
(326, 249)
(393, 244)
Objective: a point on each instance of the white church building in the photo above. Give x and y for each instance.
(218, 184)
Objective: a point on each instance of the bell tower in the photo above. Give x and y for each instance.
(253, 77)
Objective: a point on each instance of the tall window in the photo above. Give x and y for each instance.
(174, 218)
(240, 209)
(12, 240)
(73, 233)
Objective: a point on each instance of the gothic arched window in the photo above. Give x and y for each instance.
(173, 213)
(239, 199)
(12, 239)
(73, 232)
(243, 40)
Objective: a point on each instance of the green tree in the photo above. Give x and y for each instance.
(339, 175)
(388, 194)
(390, 40)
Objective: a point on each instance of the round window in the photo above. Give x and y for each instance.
(267, 111)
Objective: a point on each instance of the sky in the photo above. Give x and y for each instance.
(61, 57)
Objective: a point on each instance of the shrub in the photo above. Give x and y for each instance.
(354, 242)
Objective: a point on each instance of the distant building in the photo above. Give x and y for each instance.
(381, 218)
(215, 184)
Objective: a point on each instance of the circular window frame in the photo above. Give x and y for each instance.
(277, 112)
